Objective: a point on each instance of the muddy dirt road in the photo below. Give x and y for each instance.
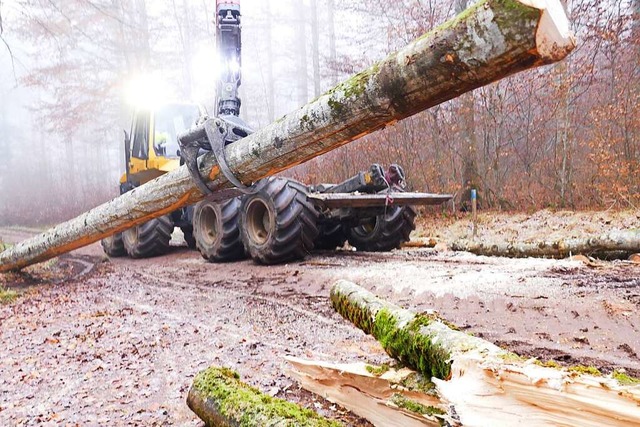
(97, 342)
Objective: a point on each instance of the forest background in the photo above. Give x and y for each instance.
(561, 136)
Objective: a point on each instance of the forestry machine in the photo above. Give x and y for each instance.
(274, 220)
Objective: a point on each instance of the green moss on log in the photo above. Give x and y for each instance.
(624, 379)
(411, 346)
(589, 370)
(406, 343)
(378, 370)
(357, 315)
(418, 382)
(244, 405)
(411, 405)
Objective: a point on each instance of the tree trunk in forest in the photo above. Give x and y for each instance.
(315, 46)
(616, 244)
(564, 134)
(480, 384)
(220, 399)
(332, 40)
(301, 33)
(142, 53)
(271, 93)
(493, 39)
(467, 120)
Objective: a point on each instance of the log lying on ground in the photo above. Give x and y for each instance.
(220, 399)
(482, 384)
(489, 41)
(616, 244)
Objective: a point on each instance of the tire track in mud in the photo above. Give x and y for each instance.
(206, 289)
(165, 289)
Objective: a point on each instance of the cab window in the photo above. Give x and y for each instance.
(140, 143)
(170, 121)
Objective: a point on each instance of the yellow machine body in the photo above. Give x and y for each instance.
(153, 144)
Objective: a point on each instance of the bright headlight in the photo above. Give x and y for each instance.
(146, 91)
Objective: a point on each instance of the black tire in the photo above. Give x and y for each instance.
(383, 232)
(113, 245)
(149, 239)
(188, 237)
(330, 237)
(278, 223)
(217, 232)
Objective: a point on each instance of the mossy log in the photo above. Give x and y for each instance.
(220, 399)
(481, 384)
(616, 244)
(489, 41)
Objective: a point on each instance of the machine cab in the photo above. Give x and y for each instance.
(152, 148)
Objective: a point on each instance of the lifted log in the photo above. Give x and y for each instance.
(481, 384)
(489, 41)
(220, 399)
(616, 244)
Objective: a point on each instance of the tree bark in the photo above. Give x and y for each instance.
(491, 40)
(220, 399)
(480, 384)
(616, 244)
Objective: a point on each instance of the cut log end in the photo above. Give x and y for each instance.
(554, 38)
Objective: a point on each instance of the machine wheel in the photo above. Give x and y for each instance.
(384, 232)
(278, 223)
(113, 245)
(330, 237)
(188, 237)
(149, 239)
(216, 230)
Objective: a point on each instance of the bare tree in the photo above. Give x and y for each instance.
(332, 40)
(315, 46)
(469, 140)
(301, 40)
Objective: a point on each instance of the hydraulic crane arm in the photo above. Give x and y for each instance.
(214, 134)
(229, 46)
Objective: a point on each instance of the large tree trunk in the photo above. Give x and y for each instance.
(616, 244)
(220, 399)
(493, 39)
(480, 384)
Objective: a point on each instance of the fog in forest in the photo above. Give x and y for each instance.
(562, 136)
